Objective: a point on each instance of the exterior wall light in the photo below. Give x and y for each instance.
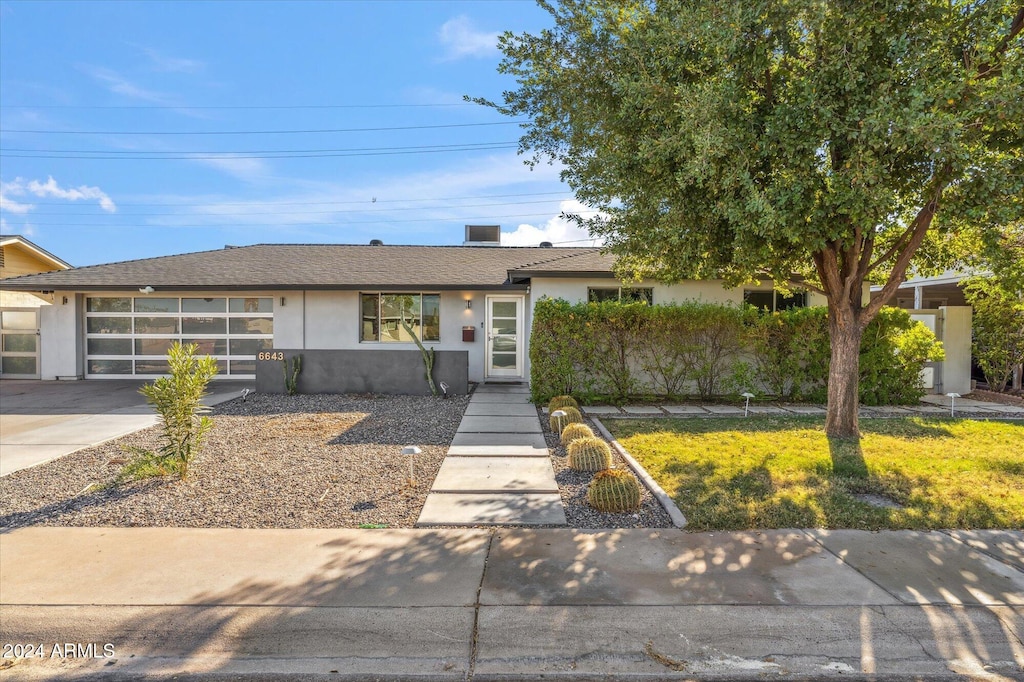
(469, 304)
(146, 290)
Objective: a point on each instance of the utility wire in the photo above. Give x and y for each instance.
(260, 132)
(248, 151)
(318, 203)
(296, 224)
(234, 155)
(246, 107)
(334, 212)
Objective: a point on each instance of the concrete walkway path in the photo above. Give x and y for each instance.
(499, 604)
(498, 470)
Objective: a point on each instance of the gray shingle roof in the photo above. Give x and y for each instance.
(325, 266)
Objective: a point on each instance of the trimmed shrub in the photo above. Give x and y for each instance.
(589, 454)
(614, 490)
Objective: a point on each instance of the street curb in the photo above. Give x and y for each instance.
(678, 520)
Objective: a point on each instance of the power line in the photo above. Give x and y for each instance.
(230, 155)
(248, 151)
(334, 212)
(244, 107)
(289, 224)
(260, 132)
(319, 203)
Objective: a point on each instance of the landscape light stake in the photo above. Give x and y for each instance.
(410, 450)
(746, 407)
(952, 403)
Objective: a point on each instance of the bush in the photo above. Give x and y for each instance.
(998, 329)
(616, 352)
(176, 400)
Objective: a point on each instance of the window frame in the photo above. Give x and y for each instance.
(803, 296)
(376, 320)
(645, 298)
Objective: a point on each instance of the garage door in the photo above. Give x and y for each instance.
(130, 336)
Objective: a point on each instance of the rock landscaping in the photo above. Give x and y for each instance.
(273, 461)
(278, 461)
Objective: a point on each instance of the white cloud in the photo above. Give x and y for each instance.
(241, 167)
(119, 85)
(462, 39)
(557, 230)
(163, 62)
(18, 187)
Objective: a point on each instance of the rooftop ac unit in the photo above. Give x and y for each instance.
(483, 235)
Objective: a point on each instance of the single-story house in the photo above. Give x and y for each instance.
(334, 304)
(19, 310)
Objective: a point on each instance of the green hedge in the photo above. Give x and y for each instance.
(621, 351)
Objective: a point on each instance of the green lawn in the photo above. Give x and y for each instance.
(783, 473)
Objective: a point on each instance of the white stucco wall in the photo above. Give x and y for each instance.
(331, 320)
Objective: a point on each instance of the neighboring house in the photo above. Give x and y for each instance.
(341, 305)
(929, 293)
(19, 310)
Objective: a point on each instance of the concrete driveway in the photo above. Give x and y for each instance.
(43, 420)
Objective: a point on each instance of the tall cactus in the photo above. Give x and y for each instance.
(589, 454)
(575, 431)
(564, 416)
(614, 491)
(560, 401)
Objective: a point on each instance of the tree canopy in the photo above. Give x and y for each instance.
(840, 142)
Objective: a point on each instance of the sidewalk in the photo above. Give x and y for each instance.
(514, 604)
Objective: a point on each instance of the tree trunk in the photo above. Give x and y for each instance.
(845, 334)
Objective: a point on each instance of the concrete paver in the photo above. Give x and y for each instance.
(523, 440)
(767, 409)
(489, 474)
(642, 409)
(493, 508)
(497, 450)
(805, 409)
(504, 409)
(723, 409)
(502, 388)
(684, 409)
(926, 568)
(512, 425)
(601, 409)
(509, 398)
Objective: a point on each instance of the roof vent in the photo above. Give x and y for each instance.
(546, 245)
(231, 246)
(376, 242)
(483, 235)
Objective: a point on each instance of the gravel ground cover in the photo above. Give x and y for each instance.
(573, 487)
(274, 461)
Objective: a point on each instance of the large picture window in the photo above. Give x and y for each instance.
(389, 318)
(771, 301)
(131, 335)
(621, 294)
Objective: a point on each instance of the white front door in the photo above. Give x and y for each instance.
(505, 336)
(19, 343)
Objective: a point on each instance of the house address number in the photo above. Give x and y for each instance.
(271, 355)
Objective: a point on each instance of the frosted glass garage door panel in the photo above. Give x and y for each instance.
(18, 319)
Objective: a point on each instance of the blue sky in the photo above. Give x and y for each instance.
(139, 129)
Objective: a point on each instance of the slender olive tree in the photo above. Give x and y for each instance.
(820, 142)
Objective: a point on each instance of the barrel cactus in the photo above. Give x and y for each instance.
(589, 454)
(564, 416)
(574, 431)
(560, 401)
(614, 490)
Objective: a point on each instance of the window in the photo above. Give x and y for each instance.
(383, 315)
(771, 301)
(621, 294)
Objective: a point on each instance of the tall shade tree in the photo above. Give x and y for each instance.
(822, 143)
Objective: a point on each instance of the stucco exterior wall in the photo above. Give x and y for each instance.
(331, 320)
